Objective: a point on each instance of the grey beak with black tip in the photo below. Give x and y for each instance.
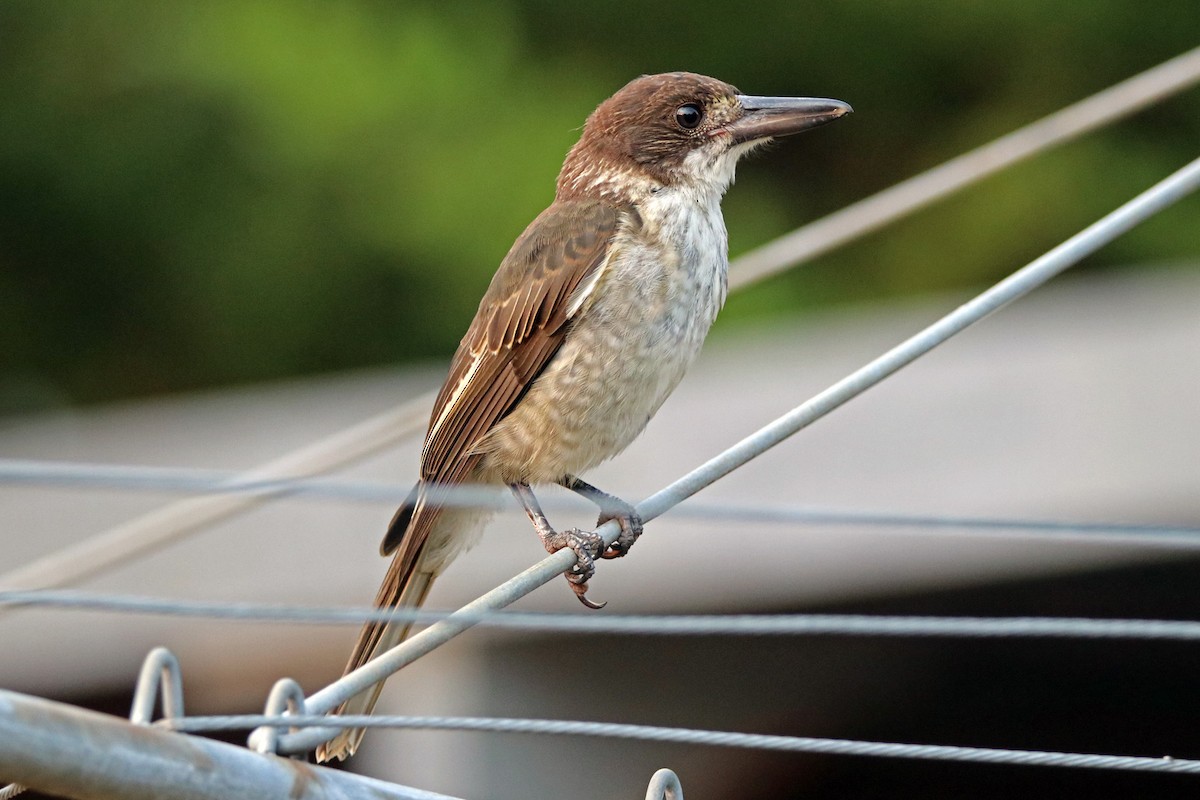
(780, 116)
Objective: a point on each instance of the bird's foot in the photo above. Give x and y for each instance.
(611, 507)
(586, 545)
(631, 527)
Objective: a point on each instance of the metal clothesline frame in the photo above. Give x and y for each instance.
(21, 716)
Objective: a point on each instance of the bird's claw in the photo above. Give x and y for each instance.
(581, 593)
(587, 546)
(631, 528)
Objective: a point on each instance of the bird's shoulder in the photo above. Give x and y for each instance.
(556, 253)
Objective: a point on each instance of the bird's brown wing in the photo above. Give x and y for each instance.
(520, 324)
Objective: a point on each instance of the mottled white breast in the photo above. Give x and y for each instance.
(636, 331)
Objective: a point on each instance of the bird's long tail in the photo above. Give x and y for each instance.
(406, 586)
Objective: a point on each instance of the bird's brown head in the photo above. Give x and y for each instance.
(680, 128)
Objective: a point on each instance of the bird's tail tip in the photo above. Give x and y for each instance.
(345, 744)
(375, 639)
(340, 747)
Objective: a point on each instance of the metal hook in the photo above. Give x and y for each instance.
(286, 697)
(664, 785)
(159, 670)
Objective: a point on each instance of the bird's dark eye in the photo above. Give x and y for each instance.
(688, 116)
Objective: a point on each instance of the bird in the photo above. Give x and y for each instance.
(589, 323)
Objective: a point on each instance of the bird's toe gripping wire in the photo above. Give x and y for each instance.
(586, 545)
(611, 508)
(631, 528)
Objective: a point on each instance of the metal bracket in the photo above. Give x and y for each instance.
(160, 677)
(286, 697)
(664, 785)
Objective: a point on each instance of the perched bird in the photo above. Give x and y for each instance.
(589, 323)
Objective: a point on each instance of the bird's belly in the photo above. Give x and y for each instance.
(615, 368)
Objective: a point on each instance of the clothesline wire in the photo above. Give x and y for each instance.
(649, 625)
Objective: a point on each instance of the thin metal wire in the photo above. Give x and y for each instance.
(106, 550)
(1115, 533)
(1160, 196)
(642, 625)
(59, 474)
(754, 741)
(177, 479)
(872, 213)
(140, 536)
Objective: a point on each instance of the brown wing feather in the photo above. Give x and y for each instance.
(522, 314)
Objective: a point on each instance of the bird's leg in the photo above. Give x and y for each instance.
(585, 544)
(611, 507)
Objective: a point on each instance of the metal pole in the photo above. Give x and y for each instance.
(1163, 194)
(67, 751)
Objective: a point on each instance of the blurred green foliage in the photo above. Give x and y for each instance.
(201, 193)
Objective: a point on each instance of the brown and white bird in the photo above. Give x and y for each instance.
(589, 323)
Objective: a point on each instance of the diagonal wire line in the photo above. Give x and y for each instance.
(908, 196)
(190, 480)
(1163, 194)
(143, 535)
(653, 733)
(641, 625)
(179, 479)
(1160, 196)
(149, 532)
(1171, 536)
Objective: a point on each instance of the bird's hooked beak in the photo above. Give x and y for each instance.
(781, 116)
